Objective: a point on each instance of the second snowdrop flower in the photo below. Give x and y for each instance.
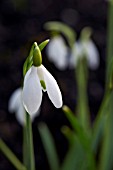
(37, 79)
(16, 105)
(57, 52)
(89, 50)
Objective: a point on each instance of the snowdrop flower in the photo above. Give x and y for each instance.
(16, 105)
(57, 52)
(87, 49)
(37, 79)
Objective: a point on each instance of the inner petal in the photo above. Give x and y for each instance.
(41, 77)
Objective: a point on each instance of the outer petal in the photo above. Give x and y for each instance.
(32, 92)
(20, 115)
(57, 52)
(75, 55)
(92, 54)
(14, 101)
(52, 87)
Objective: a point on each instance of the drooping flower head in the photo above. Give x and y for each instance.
(36, 79)
(57, 52)
(85, 47)
(69, 57)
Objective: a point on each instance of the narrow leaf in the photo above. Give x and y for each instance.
(11, 156)
(49, 146)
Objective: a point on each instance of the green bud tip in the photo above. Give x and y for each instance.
(37, 57)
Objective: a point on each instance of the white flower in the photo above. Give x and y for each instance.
(32, 89)
(88, 49)
(16, 105)
(57, 52)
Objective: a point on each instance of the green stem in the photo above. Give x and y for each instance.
(25, 145)
(82, 102)
(10, 155)
(28, 149)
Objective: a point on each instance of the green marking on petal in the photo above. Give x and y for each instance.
(43, 84)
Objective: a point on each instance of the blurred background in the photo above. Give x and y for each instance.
(21, 23)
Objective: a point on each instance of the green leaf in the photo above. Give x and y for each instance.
(76, 125)
(75, 155)
(49, 146)
(11, 156)
(99, 123)
(106, 155)
(68, 32)
(83, 137)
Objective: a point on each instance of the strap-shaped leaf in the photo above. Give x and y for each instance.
(49, 146)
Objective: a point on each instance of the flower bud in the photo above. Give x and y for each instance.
(37, 57)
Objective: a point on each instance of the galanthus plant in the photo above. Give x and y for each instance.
(90, 143)
(26, 102)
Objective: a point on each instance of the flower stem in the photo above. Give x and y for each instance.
(82, 102)
(25, 146)
(10, 155)
(28, 149)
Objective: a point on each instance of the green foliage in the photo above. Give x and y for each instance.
(49, 146)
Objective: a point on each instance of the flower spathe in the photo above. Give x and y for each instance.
(16, 105)
(32, 89)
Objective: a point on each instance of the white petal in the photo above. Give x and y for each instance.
(14, 102)
(92, 54)
(75, 55)
(32, 92)
(41, 75)
(20, 115)
(89, 49)
(57, 52)
(52, 87)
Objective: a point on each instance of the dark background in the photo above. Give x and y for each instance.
(21, 23)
